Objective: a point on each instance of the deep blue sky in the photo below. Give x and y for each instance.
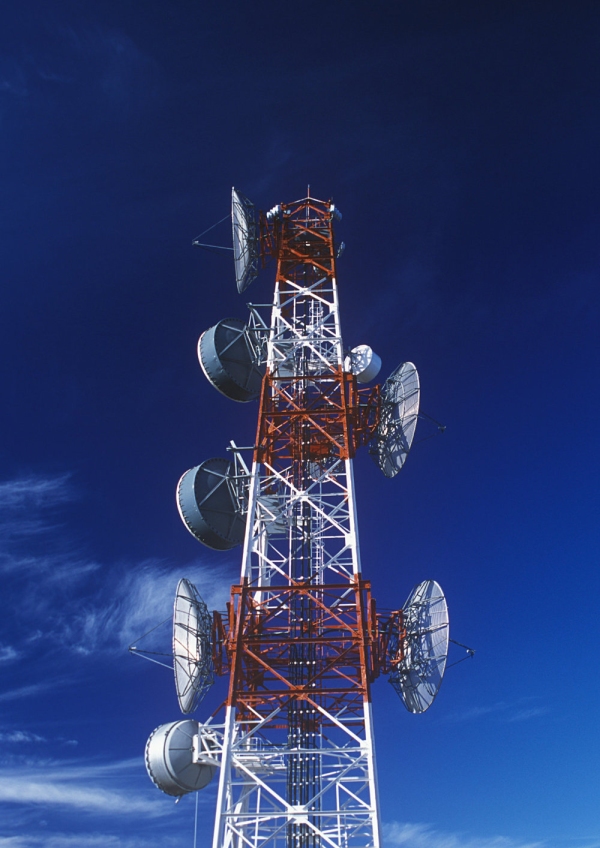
(460, 140)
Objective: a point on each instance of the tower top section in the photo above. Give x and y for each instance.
(294, 234)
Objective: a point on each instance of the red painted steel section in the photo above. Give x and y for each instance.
(333, 421)
(256, 649)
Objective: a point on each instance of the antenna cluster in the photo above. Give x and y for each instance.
(302, 640)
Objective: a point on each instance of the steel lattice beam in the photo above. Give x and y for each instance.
(297, 759)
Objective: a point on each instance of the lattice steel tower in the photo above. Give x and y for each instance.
(301, 640)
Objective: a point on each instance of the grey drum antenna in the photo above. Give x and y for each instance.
(178, 759)
(212, 502)
(230, 355)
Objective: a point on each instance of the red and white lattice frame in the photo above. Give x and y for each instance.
(301, 587)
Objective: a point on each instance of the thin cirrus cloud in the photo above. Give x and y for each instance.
(28, 519)
(409, 835)
(26, 737)
(35, 491)
(139, 601)
(30, 691)
(130, 601)
(521, 710)
(49, 567)
(8, 654)
(83, 840)
(20, 736)
(78, 787)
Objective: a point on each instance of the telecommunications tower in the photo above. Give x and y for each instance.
(302, 640)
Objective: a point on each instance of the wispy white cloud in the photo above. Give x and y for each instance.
(526, 713)
(19, 736)
(93, 799)
(28, 517)
(131, 599)
(35, 492)
(412, 835)
(30, 691)
(78, 787)
(477, 711)
(52, 568)
(521, 710)
(8, 653)
(426, 836)
(15, 736)
(88, 840)
(140, 600)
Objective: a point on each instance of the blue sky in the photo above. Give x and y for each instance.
(461, 143)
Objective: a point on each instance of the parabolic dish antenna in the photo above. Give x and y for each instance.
(210, 500)
(397, 420)
(245, 240)
(229, 354)
(192, 649)
(423, 645)
(170, 759)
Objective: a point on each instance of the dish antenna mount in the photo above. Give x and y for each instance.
(192, 647)
(418, 646)
(246, 251)
(399, 411)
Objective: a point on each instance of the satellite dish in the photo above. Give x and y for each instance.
(210, 500)
(398, 416)
(229, 354)
(422, 645)
(363, 363)
(172, 752)
(245, 240)
(192, 648)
